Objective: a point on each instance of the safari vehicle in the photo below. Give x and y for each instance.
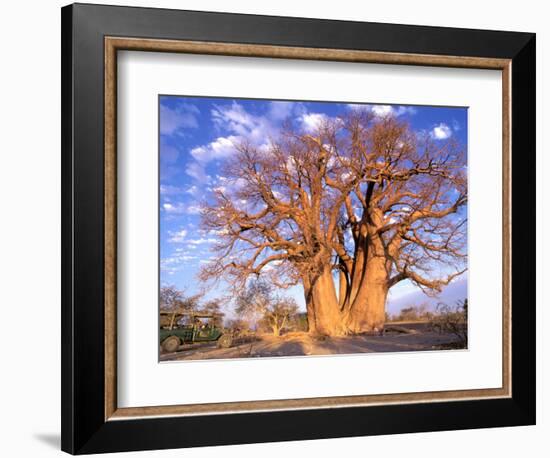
(178, 327)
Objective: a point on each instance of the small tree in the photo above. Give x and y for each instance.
(172, 299)
(277, 316)
(414, 313)
(453, 320)
(214, 306)
(189, 303)
(170, 296)
(259, 303)
(408, 314)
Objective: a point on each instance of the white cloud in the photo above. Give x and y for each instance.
(238, 124)
(381, 111)
(219, 232)
(280, 110)
(182, 116)
(402, 110)
(177, 237)
(174, 262)
(227, 185)
(441, 132)
(201, 241)
(392, 110)
(193, 210)
(233, 117)
(192, 190)
(357, 106)
(344, 176)
(180, 208)
(175, 209)
(235, 120)
(196, 171)
(170, 190)
(312, 121)
(291, 164)
(221, 148)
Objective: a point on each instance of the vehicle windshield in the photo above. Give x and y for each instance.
(185, 320)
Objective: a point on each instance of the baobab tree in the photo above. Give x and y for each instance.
(362, 198)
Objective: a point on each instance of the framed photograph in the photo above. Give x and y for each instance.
(281, 228)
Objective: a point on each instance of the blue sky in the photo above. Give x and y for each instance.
(196, 138)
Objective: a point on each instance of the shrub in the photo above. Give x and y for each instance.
(413, 313)
(452, 320)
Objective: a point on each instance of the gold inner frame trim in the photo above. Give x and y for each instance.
(114, 44)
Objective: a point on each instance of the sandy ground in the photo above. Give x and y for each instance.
(398, 337)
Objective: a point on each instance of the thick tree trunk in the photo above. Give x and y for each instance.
(367, 313)
(342, 288)
(310, 306)
(328, 318)
(357, 272)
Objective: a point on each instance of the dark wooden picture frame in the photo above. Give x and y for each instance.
(91, 37)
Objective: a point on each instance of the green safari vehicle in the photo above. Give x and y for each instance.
(178, 327)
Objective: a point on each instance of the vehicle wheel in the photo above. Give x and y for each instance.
(170, 344)
(225, 341)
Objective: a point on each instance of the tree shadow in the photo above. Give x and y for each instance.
(53, 440)
(281, 348)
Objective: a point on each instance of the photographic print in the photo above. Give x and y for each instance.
(292, 203)
(300, 228)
